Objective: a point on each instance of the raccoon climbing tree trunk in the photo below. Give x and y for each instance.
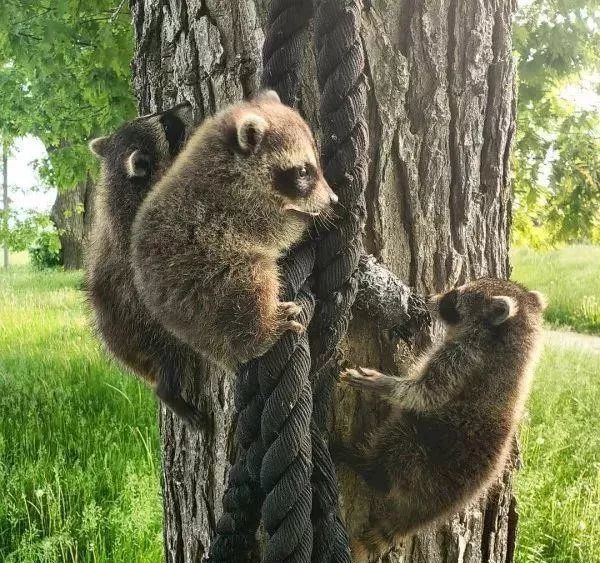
(441, 120)
(72, 213)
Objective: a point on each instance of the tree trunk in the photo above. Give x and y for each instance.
(72, 215)
(441, 119)
(5, 200)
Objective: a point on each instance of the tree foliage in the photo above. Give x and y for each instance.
(45, 252)
(556, 165)
(20, 230)
(64, 77)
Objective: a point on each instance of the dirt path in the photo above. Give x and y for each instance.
(573, 340)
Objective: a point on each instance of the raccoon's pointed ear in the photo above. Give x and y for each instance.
(502, 308)
(268, 95)
(182, 111)
(250, 129)
(138, 164)
(540, 299)
(99, 145)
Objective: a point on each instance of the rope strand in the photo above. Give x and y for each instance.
(340, 73)
(236, 529)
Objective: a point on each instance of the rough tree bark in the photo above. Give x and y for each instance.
(72, 213)
(441, 115)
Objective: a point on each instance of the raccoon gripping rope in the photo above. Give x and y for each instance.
(279, 377)
(285, 462)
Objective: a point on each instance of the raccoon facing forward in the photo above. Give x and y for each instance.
(133, 159)
(452, 422)
(207, 239)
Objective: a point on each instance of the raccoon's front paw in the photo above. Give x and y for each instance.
(288, 309)
(287, 312)
(369, 379)
(293, 326)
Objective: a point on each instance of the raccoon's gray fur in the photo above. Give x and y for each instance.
(133, 160)
(207, 239)
(452, 422)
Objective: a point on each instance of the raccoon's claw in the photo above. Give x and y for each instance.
(351, 376)
(289, 309)
(371, 373)
(293, 326)
(362, 377)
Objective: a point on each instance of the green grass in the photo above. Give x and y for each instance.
(78, 440)
(570, 279)
(79, 448)
(559, 487)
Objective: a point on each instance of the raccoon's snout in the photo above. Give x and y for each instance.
(333, 198)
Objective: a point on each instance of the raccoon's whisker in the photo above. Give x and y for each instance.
(326, 222)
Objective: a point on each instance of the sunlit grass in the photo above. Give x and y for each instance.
(79, 448)
(559, 487)
(570, 278)
(78, 440)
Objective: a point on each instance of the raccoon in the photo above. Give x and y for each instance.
(453, 420)
(133, 159)
(207, 239)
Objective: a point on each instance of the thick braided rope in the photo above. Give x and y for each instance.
(340, 73)
(283, 47)
(284, 429)
(285, 425)
(284, 377)
(236, 529)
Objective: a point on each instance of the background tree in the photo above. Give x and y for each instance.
(72, 62)
(441, 121)
(556, 164)
(13, 107)
(5, 207)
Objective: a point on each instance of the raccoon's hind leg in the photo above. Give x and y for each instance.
(372, 543)
(168, 390)
(402, 514)
(356, 458)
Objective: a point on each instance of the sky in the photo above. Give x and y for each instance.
(25, 188)
(23, 178)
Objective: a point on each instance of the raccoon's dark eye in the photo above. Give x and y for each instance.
(448, 307)
(294, 182)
